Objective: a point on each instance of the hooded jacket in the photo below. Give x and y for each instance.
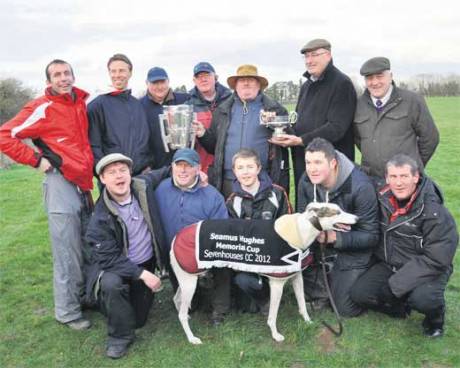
(269, 203)
(354, 193)
(215, 137)
(58, 126)
(420, 245)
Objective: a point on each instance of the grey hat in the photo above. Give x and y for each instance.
(318, 43)
(110, 159)
(375, 65)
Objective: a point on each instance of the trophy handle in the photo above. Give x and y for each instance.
(292, 117)
(163, 121)
(192, 132)
(261, 120)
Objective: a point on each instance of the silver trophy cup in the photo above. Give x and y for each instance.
(176, 127)
(277, 122)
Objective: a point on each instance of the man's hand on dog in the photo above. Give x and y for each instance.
(151, 281)
(331, 234)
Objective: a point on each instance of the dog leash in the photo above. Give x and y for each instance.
(329, 294)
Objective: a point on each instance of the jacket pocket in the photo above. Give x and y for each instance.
(362, 126)
(397, 123)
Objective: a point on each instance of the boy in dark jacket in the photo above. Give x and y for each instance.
(415, 255)
(254, 197)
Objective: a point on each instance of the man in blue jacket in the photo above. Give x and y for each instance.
(117, 121)
(126, 239)
(182, 201)
(159, 94)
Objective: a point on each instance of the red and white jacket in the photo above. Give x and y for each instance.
(58, 126)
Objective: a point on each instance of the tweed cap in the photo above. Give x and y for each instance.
(110, 159)
(247, 70)
(375, 65)
(317, 43)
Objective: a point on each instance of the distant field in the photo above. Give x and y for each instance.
(30, 337)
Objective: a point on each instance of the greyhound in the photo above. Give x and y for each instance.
(299, 230)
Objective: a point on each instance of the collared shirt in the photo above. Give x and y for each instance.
(140, 240)
(384, 99)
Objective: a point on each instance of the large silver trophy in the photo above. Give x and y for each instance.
(176, 127)
(277, 122)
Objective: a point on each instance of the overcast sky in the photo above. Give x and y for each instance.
(418, 36)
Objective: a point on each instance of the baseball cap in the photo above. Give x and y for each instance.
(203, 67)
(187, 154)
(156, 74)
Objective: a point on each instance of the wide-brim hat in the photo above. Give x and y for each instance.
(247, 70)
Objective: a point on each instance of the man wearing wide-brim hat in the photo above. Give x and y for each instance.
(236, 124)
(325, 107)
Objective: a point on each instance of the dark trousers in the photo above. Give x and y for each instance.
(126, 304)
(254, 287)
(341, 283)
(372, 291)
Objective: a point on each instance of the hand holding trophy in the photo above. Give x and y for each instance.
(277, 123)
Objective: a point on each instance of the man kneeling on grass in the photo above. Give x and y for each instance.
(126, 241)
(414, 259)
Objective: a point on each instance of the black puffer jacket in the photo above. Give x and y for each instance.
(421, 244)
(107, 233)
(357, 196)
(270, 202)
(214, 142)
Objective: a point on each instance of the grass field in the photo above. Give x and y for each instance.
(30, 337)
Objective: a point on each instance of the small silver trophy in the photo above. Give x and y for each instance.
(176, 127)
(277, 123)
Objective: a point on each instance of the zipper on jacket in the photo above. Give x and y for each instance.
(243, 122)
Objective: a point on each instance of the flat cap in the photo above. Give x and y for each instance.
(110, 159)
(318, 43)
(375, 65)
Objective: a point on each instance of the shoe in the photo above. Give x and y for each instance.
(79, 324)
(432, 329)
(217, 319)
(433, 332)
(116, 351)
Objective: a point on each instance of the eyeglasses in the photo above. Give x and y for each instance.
(308, 55)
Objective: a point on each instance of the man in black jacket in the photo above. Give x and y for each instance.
(325, 107)
(414, 259)
(126, 239)
(117, 121)
(332, 177)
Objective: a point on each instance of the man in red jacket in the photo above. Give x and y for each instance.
(58, 126)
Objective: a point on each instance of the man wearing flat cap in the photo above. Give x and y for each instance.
(390, 120)
(325, 107)
(159, 94)
(236, 124)
(205, 97)
(127, 244)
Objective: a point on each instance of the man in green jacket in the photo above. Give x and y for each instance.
(391, 120)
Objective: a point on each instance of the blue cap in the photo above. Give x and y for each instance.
(187, 154)
(203, 67)
(156, 74)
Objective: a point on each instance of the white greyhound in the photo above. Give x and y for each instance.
(299, 231)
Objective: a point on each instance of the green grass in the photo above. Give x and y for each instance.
(30, 337)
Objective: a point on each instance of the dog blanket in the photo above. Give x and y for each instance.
(244, 245)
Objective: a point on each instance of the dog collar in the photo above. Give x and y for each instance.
(315, 222)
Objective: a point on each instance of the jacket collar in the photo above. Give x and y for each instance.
(67, 98)
(169, 97)
(324, 75)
